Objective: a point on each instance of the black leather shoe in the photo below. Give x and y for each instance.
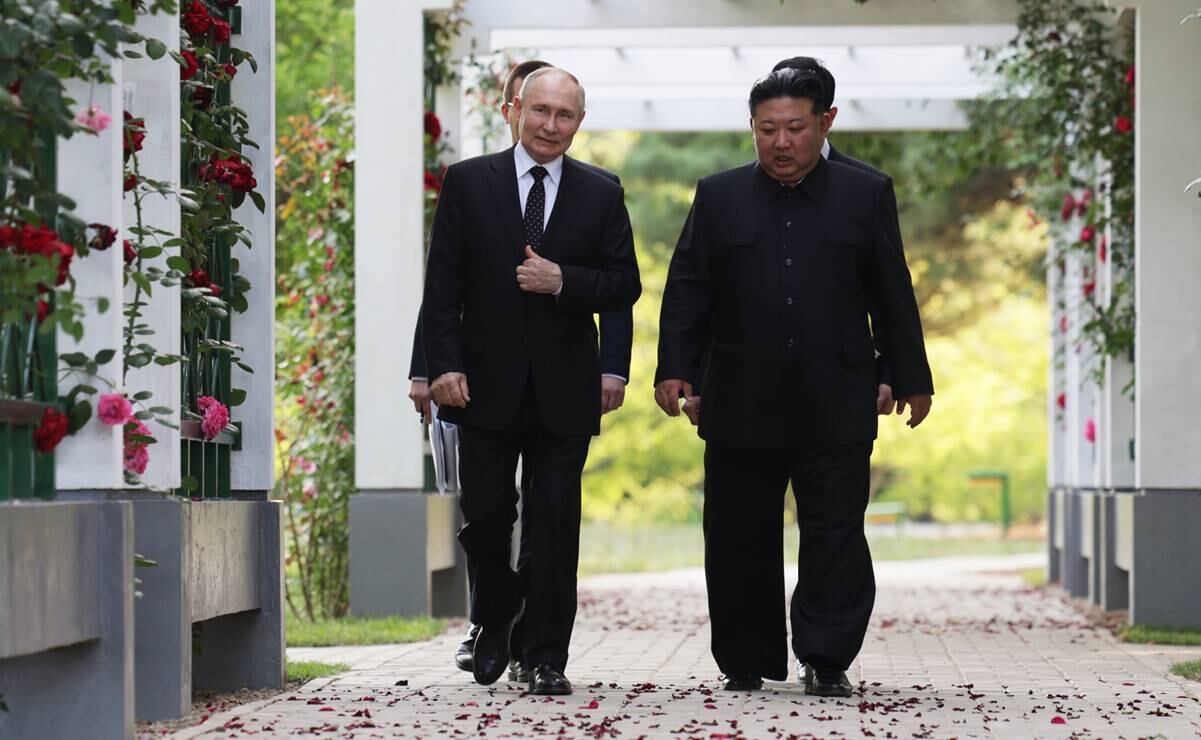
(546, 680)
(740, 682)
(517, 672)
(826, 682)
(491, 654)
(463, 654)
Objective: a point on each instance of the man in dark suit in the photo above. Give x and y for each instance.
(616, 336)
(782, 271)
(885, 403)
(526, 245)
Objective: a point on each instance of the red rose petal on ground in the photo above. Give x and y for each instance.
(594, 704)
(1057, 720)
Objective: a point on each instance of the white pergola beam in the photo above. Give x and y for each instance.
(731, 115)
(598, 95)
(797, 38)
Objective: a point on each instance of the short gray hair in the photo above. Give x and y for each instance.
(546, 71)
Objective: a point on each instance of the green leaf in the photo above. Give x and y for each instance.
(78, 415)
(74, 359)
(142, 395)
(150, 252)
(165, 360)
(237, 397)
(142, 281)
(102, 304)
(189, 484)
(244, 366)
(259, 203)
(141, 561)
(161, 410)
(176, 262)
(155, 49)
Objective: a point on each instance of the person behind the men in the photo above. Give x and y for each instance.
(773, 277)
(526, 245)
(885, 403)
(616, 337)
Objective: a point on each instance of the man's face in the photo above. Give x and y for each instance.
(548, 116)
(506, 110)
(788, 137)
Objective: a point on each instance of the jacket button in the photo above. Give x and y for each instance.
(788, 343)
(788, 262)
(788, 224)
(788, 302)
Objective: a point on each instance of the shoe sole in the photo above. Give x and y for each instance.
(829, 693)
(536, 692)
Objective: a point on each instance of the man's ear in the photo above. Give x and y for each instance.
(833, 114)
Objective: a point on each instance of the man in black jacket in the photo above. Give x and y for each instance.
(526, 245)
(616, 337)
(783, 270)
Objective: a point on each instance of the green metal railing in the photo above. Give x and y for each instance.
(205, 464)
(28, 366)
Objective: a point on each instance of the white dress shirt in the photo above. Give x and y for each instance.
(525, 181)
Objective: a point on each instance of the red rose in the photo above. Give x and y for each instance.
(329, 265)
(199, 277)
(230, 70)
(135, 134)
(15, 88)
(215, 289)
(221, 31)
(1069, 204)
(1090, 287)
(1063, 323)
(9, 236)
(105, 237)
(1130, 75)
(1123, 124)
(433, 182)
(203, 95)
(433, 126)
(131, 254)
(1102, 249)
(1054, 36)
(51, 431)
(191, 65)
(323, 300)
(1087, 234)
(1061, 400)
(65, 253)
(196, 19)
(43, 310)
(131, 182)
(1082, 204)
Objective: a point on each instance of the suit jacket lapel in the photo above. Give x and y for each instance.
(502, 181)
(567, 202)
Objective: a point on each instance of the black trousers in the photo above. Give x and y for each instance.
(546, 576)
(744, 556)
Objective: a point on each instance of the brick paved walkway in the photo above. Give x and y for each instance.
(957, 648)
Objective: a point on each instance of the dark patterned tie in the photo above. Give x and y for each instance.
(535, 208)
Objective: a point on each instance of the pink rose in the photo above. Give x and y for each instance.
(114, 409)
(1090, 431)
(93, 117)
(136, 453)
(216, 416)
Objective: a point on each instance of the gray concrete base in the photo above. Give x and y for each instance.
(1164, 556)
(219, 565)
(1114, 584)
(1073, 566)
(66, 620)
(1054, 536)
(404, 556)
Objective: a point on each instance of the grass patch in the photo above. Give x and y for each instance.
(361, 631)
(1190, 669)
(303, 671)
(1034, 577)
(612, 548)
(1159, 635)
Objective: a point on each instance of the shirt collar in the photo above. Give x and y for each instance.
(523, 160)
(812, 185)
(825, 148)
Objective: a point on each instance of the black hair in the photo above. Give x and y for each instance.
(809, 64)
(520, 71)
(789, 83)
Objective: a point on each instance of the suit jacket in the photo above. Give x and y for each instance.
(616, 328)
(778, 285)
(476, 320)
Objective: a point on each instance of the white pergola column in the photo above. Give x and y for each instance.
(1081, 406)
(151, 92)
(389, 239)
(1168, 250)
(1056, 381)
(1116, 435)
(252, 467)
(90, 172)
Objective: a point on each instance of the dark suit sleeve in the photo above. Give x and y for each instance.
(892, 224)
(614, 286)
(893, 306)
(445, 282)
(417, 363)
(616, 338)
(685, 318)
